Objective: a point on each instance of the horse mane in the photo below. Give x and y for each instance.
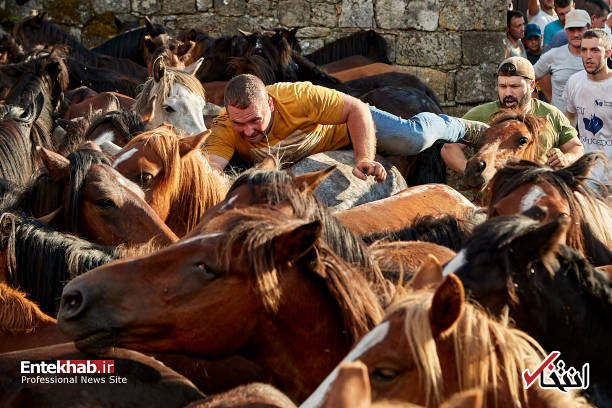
(368, 43)
(58, 258)
(28, 34)
(446, 230)
(589, 218)
(359, 306)
(15, 151)
(253, 64)
(487, 353)
(128, 44)
(18, 315)
(196, 185)
(160, 90)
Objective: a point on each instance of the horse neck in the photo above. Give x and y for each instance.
(200, 187)
(304, 341)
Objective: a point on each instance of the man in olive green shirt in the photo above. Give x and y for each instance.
(515, 84)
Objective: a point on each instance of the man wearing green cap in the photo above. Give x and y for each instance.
(515, 84)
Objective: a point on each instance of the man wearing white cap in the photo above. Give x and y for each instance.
(563, 62)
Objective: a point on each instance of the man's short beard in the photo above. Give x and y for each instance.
(521, 102)
(598, 69)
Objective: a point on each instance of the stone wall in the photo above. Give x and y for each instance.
(454, 48)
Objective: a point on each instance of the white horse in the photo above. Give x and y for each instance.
(173, 96)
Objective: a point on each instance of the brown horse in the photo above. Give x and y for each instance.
(84, 195)
(254, 283)
(23, 325)
(524, 184)
(432, 345)
(399, 210)
(512, 134)
(177, 179)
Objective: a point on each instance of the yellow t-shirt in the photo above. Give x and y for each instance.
(303, 124)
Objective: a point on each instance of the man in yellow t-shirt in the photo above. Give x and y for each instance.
(295, 120)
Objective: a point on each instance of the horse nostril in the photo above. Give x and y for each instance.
(72, 305)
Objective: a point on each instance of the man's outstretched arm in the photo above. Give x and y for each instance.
(358, 119)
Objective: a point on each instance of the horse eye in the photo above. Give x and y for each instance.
(105, 203)
(384, 374)
(144, 180)
(169, 108)
(523, 141)
(205, 272)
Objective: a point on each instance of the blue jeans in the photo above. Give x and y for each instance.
(407, 137)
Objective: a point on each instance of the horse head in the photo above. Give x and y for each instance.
(512, 134)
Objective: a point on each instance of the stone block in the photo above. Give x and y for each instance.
(146, 7)
(293, 13)
(483, 15)
(201, 21)
(481, 47)
(428, 49)
(310, 45)
(433, 78)
(204, 5)
(260, 8)
(178, 7)
(456, 110)
(402, 14)
(357, 13)
(69, 12)
(324, 14)
(476, 84)
(312, 32)
(230, 7)
(390, 46)
(116, 6)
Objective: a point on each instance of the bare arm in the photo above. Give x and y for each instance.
(566, 154)
(452, 154)
(217, 162)
(533, 8)
(545, 86)
(358, 119)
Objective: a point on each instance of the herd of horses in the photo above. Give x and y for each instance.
(274, 286)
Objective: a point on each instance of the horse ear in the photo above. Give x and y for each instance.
(293, 243)
(575, 173)
(118, 23)
(466, 399)
(148, 42)
(269, 163)
(429, 274)
(159, 69)
(308, 182)
(540, 243)
(193, 68)
(245, 34)
(446, 306)
(192, 143)
(351, 388)
(146, 114)
(48, 219)
(153, 32)
(57, 165)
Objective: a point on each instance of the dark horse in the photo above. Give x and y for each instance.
(290, 304)
(550, 291)
(84, 195)
(520, 185)
(39, 260)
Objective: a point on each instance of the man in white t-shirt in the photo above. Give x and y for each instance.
(541, 12)
(562, 62)
(589, 98)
